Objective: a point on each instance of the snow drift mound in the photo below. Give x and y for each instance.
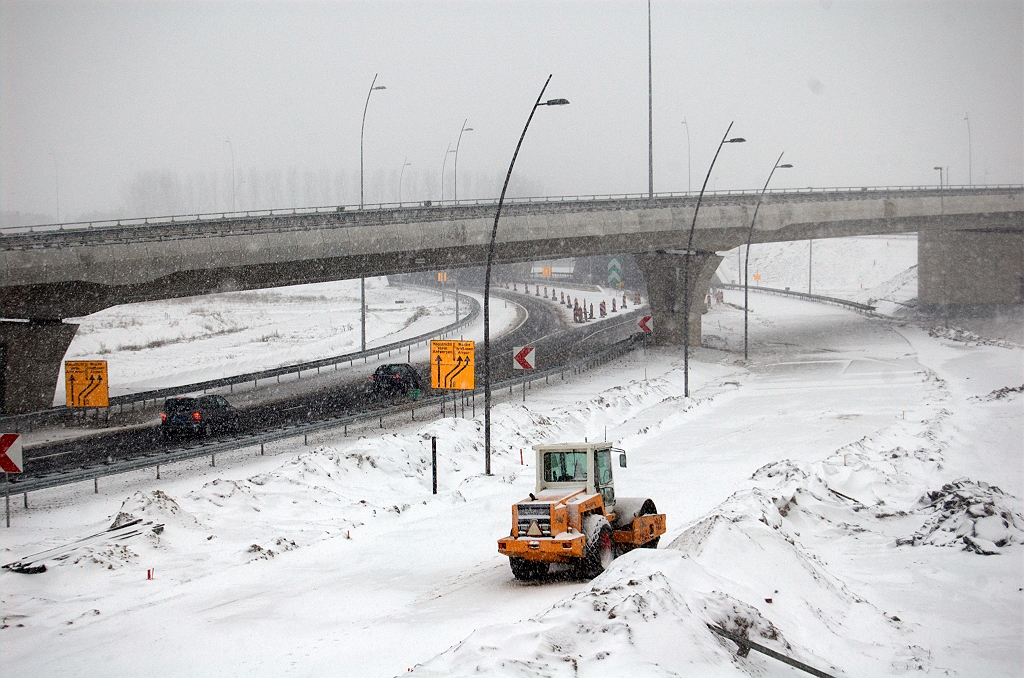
(156, 506)
(736, 568)
(979, 516)
(648, 615)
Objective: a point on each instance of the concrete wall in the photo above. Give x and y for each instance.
(967, 269)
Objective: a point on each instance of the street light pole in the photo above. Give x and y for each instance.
(401, 175)
(457, 144)
(443, 163)
(56, 183)
(688, 188)
(650, 110)
(686, 264)
(487, 279)
(232, 149)
(362, 129)
(970, 175)
(746, 266)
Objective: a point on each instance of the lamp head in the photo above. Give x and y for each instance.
(736, 140)
(380, 87)
(786, 166)
(556, 102)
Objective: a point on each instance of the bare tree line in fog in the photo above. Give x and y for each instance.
(164, 192)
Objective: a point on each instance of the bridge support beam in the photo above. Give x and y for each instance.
(30, 357)
(970, 271)
(665, 275)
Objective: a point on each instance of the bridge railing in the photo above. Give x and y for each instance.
(197, 218)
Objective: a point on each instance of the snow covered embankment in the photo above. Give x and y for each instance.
(751, 567)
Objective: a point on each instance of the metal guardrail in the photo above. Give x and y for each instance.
(156, 459)
(583, 197)
(746, 645)
(277, 372)
(862, 308)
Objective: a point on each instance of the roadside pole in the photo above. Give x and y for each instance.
(433, 461)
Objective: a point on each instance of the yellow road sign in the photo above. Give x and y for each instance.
(442, 276)
(451, 365)
(546, 271)
(85, 383)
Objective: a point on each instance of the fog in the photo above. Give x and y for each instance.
(125, 109)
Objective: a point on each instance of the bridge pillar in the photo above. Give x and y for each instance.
(664, 273)
(972, 271)
(30, 357)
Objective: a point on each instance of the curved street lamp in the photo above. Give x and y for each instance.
(401, 175)
(750, 235)
(686, 263)
(362, 129)
(56, 183)
(442, 169)
(231, 148)
(487, 279)
(688, 186)
(970, 173)
(457, 144)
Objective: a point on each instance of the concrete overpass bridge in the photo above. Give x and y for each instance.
(971, 252)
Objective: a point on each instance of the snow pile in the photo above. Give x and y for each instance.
(155, 505)
(1002, 393)
(968, 337)
(647, 616)
(977, 515)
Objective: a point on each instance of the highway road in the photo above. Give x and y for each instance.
(540, 324)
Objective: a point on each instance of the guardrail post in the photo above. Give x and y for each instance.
(158, 471)
(96, 485)
(261, 449)
(213, 460)
(433, 461)
(26, 500)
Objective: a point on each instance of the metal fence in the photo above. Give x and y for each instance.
(860, 308)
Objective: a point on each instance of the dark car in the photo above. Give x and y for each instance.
(202, 416)
(397, 379)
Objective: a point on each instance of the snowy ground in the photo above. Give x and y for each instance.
(837, 267)
(803, 477)
(181, 341)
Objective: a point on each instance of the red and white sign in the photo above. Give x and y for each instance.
(10, 453)
(646, 324)
(524, 358)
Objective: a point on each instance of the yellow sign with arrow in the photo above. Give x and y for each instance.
(451, 365)
(85, 383)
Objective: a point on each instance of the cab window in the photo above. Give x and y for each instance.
(603, 460)
(565, 467)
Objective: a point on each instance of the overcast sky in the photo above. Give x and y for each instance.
(856, 94)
